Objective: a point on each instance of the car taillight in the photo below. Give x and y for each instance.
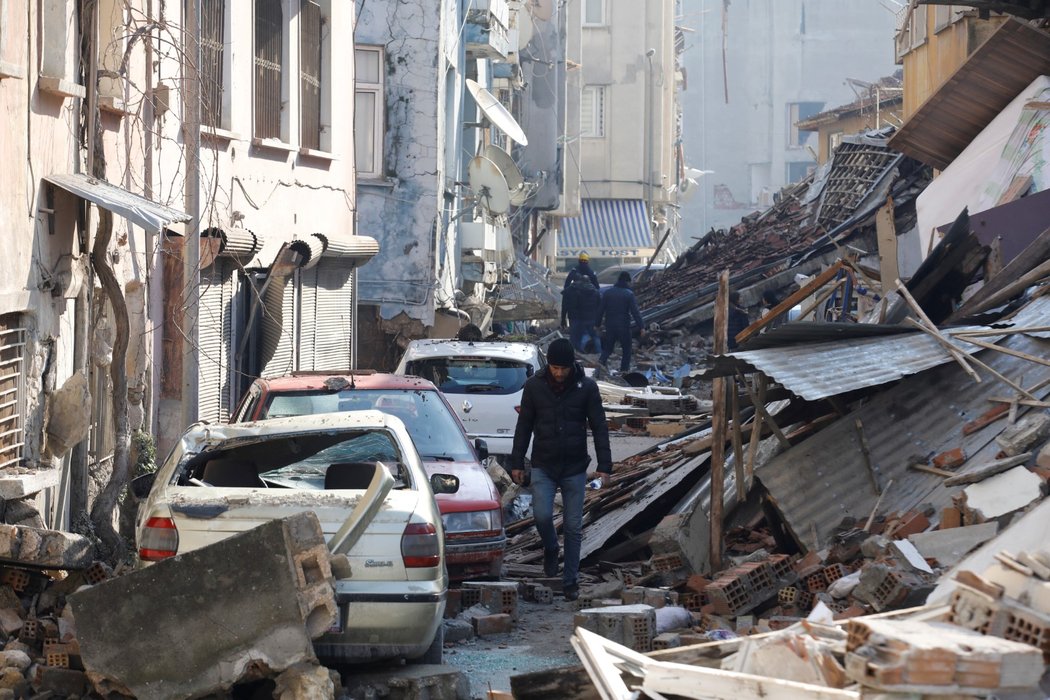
(159, 539)
(420, 546)
(517, 409)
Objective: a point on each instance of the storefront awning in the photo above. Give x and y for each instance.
(135, 208)
(606, 228)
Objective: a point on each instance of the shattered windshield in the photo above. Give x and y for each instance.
(343, 460)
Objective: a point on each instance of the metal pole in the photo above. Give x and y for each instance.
(191, 256)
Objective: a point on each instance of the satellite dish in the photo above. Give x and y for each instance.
(542, 9)
(496, 112)
(519, 192)
(488, 184)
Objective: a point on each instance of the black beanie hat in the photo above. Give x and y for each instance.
(560, 353)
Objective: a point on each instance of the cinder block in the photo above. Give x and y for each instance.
(633, 626)
(453, 603)
(834, 572)
(492, 624)
(543, 594)
(667, 640)
(633, 596)
(501, 597)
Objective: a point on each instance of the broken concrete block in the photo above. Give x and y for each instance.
(885, 587)
(10, 621)
(304, 682)
(979, 608)
(11, 677)
(789, 655)
(948, 547)
(48, 549)
(1003, 493)
(1043, 458)
(458, 631)
(196, 623)
(935, 657)
(1028, 432)
(667, 640)
(62, 682)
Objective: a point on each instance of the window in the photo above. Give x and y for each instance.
(918, 26)
(799, 111)
(592, 111)
(213, 63)
(593, 13)
(12, 388)
(269, 68)
(368, 111)
(311, 25)
(8, 68)
(834, 140)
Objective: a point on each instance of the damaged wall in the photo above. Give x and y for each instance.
(401, 208)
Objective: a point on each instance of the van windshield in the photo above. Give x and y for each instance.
(472, 375)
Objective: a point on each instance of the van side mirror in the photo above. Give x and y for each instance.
(444, 483)
(482, 448)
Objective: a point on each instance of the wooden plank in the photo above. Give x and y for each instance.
(937, 336)
(886, 234)
(715, 684)
(1013, 288)
(718, 423)
(820, 299)
(792, 299)
(991, 469)
(1037, 250)
(1000, 331)
(1023, 402)
(931, 328)
(760, 411)
(931, 470)
(1004, 350)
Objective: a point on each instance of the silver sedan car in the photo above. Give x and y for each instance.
(225, 479)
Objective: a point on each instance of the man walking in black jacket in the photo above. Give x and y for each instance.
(618, 308)
(558, 403)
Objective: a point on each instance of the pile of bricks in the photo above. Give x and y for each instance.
(42, 655)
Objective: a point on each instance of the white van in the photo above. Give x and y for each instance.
(481, 379)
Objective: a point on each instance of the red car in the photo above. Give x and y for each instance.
(472, 517)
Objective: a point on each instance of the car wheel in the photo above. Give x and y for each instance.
(434, 654)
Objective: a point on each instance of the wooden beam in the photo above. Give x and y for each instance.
(931, 328)
(821, 298)
(1014, 288)
(999, 331)
(1013, 385)
(1038, 249)
(718, 423)
(761, 412)
(991, 469)
(756, 427)
(1005, 351)
(1023, 402)
(930, 470)
(886, 234)
(792, 299)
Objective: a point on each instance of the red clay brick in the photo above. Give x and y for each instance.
(951, 459)
(950, 517)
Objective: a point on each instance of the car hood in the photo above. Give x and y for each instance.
(476, 490)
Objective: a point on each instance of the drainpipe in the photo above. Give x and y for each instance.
(191, 253)
(649, 128)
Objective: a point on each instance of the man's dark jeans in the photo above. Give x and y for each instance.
(582, 330)
(572, 491)
(621, 336)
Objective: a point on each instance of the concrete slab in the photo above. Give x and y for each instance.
(1004, 493)
(948, 547)
(197, 623)
(48, 549)
(21, 482)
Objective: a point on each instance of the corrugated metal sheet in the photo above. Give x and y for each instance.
(136, 208)
(946, 123)
(325, 325)
(824, 479)
(217, 286)
(359, 249)
(278, 327)
(816, 371)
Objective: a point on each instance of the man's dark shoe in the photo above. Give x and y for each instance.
(550, 562)
(571, 592)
